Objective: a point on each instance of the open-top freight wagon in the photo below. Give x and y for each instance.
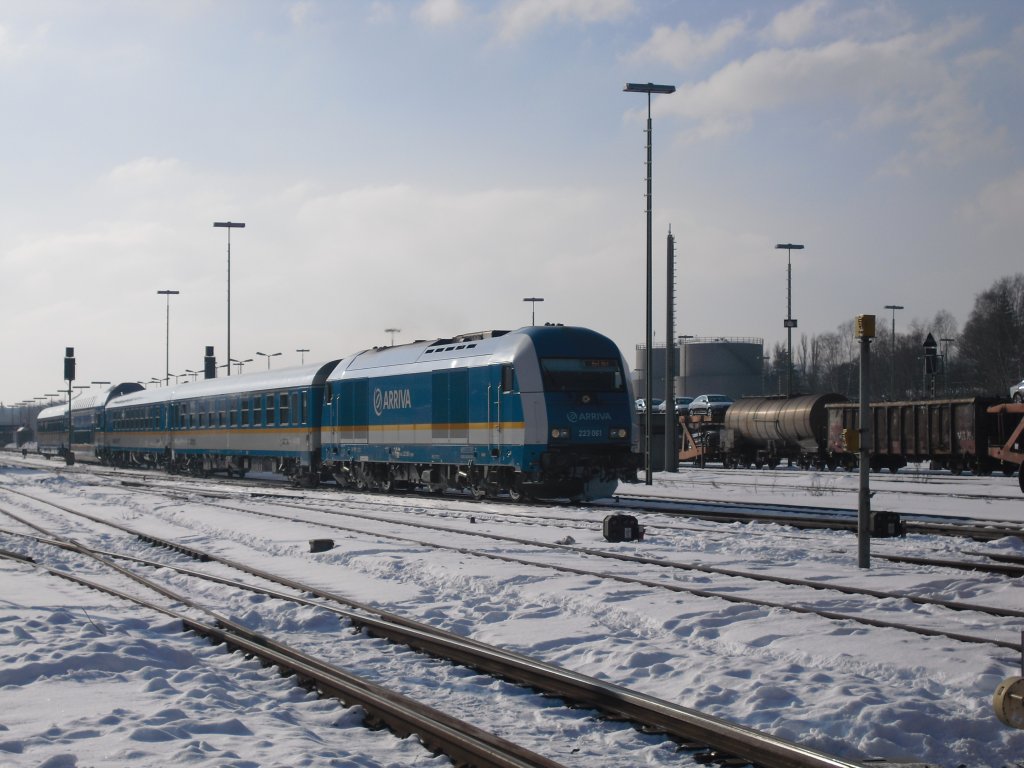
(949, 434)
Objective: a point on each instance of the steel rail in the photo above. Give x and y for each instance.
(463, 742)
(673, 587)
(653, 714)
(813, 518)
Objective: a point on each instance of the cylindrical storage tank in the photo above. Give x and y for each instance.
(801, 421)
(727, 366)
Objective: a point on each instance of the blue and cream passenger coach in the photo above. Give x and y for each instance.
(261, 421)
(542, 411)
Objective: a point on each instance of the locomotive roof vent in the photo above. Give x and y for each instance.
(479, 335)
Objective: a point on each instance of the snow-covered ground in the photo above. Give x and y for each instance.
(87, 681)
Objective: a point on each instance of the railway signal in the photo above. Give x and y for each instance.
(864, 330)
(69, 376)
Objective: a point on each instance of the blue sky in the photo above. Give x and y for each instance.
(426, 165)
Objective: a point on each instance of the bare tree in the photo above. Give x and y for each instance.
(991, 347)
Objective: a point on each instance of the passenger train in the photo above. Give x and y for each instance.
(543, 412)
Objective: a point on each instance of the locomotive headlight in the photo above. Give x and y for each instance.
(557, 433)
(618, 433)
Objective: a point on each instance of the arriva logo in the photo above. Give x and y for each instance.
(391, 400)
(575, 417)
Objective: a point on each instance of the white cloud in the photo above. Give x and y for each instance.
(381, 12)
(998, 207)
(682, 47)
(795, 23)
(521, 17)
(12, 48)
(440, 12)
(145, 170)
(299, 12)
(902, 80)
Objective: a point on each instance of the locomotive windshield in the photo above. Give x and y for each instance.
(582, 374)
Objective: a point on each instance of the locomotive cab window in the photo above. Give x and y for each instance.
(508, 379)
(581, 374)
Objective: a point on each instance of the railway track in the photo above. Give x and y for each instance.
(705, 737)
(732, 589)
(800, 516)
(361, 541)
(808, 517)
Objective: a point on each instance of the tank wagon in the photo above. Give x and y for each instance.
(950, 434)
(542, 411)
(767, 430)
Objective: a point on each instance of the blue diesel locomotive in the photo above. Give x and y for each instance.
(540, 412)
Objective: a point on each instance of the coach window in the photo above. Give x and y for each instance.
(296, 413)
(283, 409)
(304, 404)
(245, 412)
(271, 411)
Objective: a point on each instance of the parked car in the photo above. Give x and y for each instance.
(709, 405)
(1017, 392)
(681, 404)
(641, 406)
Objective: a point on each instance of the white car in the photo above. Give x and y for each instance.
(714, 406)
(1017, 392)
(681, 404)
(641, 406)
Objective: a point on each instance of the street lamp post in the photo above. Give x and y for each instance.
(790, 322)
(533, 308)
(268, 355)
(892, 352)
(648, 88)
(240, 363)
(229, 225)
(392, 331)
(167, 368)
(192, 373)
(302, 352)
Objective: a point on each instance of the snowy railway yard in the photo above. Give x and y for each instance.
(764, 625)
